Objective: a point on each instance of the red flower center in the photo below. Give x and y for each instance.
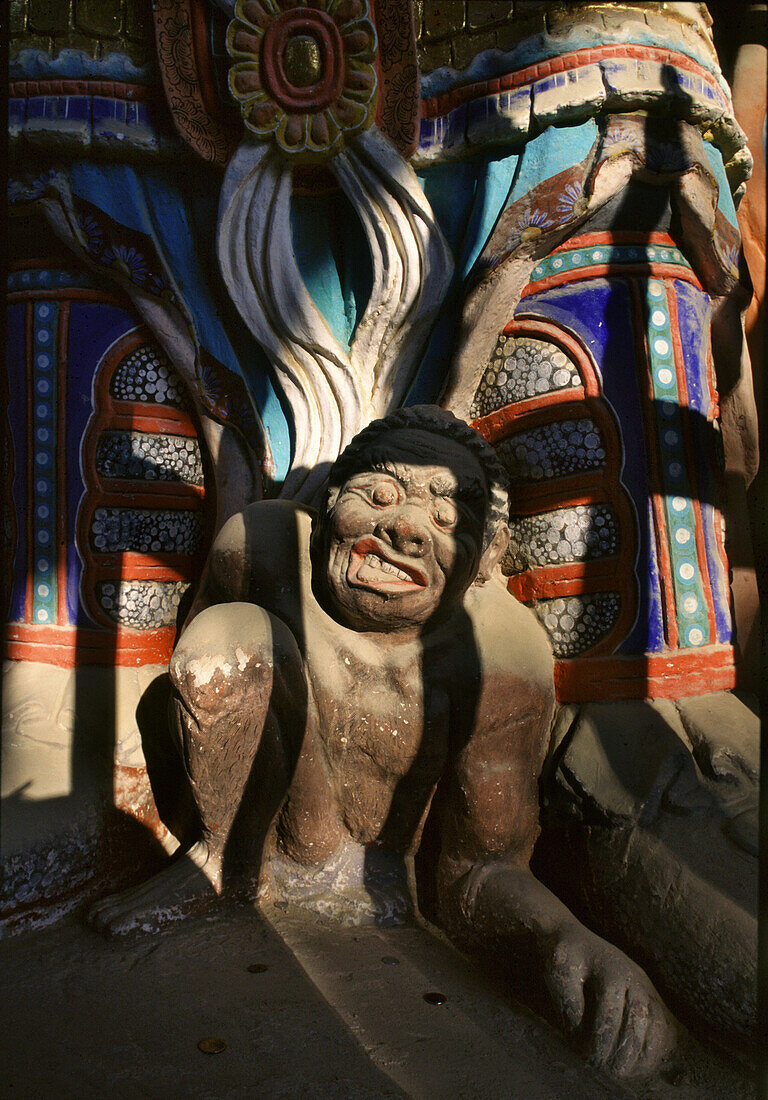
(285, 41)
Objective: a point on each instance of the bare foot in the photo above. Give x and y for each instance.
(166, 896)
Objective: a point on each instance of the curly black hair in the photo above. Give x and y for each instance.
(429, 418)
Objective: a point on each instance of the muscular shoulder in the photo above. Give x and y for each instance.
(494, 799)
(260, 553)
(508, 636)
(516, 693)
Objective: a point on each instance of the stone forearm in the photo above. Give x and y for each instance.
(494, 902)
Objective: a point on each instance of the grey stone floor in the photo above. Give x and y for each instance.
(337, 1013)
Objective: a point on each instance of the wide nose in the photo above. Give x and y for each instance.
(406, 529)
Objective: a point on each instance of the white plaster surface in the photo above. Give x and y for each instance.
(62, 732)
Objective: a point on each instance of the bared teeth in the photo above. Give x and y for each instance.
(375, 562)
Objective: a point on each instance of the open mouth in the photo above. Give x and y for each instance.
(371, 566)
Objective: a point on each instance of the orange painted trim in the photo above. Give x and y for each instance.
(139, 494)
(447, 101)
(504, 422)
(603, 271)
(110, 89)
(112, 414)
(533, 413)
(69, 647)
(594, 491)
(615, 236)
(167, 422)
(717, 474)
(123, 492)
(653, 676)
(131, 566)
(713, 412)
(575, 489)
(573, 348)
(573, 579)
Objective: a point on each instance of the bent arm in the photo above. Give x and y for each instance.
(257, 558)
(489, 897)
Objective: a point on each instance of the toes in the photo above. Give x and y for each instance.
(660, 1044)
(607, 1025)
(566, 986)
(629, 1054)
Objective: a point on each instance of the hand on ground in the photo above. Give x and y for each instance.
(609, 1005)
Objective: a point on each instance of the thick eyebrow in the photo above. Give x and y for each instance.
(469, 489)
(394, 469)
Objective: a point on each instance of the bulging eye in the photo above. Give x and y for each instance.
(445, 514)
(384, 494)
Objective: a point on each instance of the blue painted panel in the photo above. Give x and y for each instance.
(599, 312)
(76, 108)
(555, 150)
(725, 202)
(93, 328)
(333, 257)
(467, 198)
(693, 317)
(17, 110)
(183, 226)
(17, 419)
(693, 311)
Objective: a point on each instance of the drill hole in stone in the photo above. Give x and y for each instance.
(211, 1046)
(435, 998)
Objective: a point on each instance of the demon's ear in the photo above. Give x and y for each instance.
(493, 553)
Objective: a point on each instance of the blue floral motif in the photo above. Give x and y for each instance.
(622, 137)
(158, 284)
(570, 195)
(732, 256)
(529, 225)
(665, 156)
(243, 416)
(92, 231)
(29, 191)
(210, 384)
(129, 259)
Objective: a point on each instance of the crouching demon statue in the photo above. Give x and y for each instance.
(243, 230)
(336, 669)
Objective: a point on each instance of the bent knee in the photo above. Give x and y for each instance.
(230, 641)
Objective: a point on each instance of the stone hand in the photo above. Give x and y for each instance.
(609, 1005)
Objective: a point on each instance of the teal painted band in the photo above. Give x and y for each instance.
(688, 586)
(597, 255)
(38, 279)
(43, 452)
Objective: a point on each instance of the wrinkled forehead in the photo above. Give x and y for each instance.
(412, 454)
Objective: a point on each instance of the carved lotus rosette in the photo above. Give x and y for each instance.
(304, 75)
